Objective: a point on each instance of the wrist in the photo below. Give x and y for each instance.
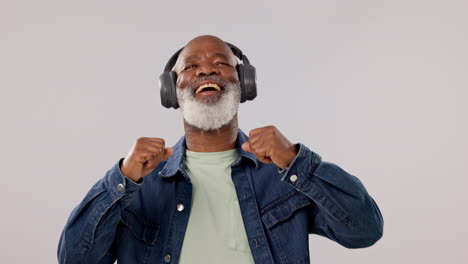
(128, 175)
(291, 154)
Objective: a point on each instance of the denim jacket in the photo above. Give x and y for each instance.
(145, 223)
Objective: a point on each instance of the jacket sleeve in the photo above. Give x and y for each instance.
(91, 228)
(342, 210)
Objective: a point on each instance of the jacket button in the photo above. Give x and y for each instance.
(180, 207)
(167, 258)
(293, 178)
(120, 187)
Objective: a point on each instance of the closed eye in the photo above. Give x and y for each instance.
(222, 64)
(190, 66)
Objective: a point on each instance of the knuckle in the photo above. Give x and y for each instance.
(160, 143)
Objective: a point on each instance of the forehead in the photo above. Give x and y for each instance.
(206, 49)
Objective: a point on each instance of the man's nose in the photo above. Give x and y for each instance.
(207, 71)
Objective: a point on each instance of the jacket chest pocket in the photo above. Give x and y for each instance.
(137, 238)
(286, 220)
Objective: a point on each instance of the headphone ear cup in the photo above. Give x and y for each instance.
(248, 81)
(167, 83)
(240, 72)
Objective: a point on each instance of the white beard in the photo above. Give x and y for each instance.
(209, 115)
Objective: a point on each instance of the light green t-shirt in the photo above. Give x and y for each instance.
(215, 231)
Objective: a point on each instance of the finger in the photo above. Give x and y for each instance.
(143, 156)
(260, 151)
(265, 160)
(143, 141)
(155, 140)
(256, 131)
(255, 138)
(246, 147)
(154, 146)
(153, 149)
(150, 163)
(159, 155)
(257, 150)
(167, 153)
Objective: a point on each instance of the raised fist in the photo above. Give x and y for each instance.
(144, 156)
(270, 146)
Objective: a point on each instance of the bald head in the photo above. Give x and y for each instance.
(203, 45)
(204, 39)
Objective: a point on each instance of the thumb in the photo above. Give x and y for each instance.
(167, 153)
(246, 147)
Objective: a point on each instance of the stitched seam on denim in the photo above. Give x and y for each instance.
(154, 228)
(147, 246)
(293, 165)
(281, 253)
(113, 193)
(146, 259)
(280, 200)
(143, 220)
(87, 238)
(303, 261)
(168, 245)
(248, 173)
(337, 212)
(173, 226)
(305, 164)
(134, 233)
(300, 204)
(316, 158)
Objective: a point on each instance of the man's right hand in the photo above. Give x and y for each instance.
(145, 155)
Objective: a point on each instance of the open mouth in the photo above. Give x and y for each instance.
(208, 89)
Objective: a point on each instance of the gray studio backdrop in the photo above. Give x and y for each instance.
(377, 87)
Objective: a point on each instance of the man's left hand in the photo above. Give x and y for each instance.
(270, 146)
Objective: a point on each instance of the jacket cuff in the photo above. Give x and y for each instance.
(119, 186)
(304, 164)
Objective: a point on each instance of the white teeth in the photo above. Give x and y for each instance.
(213, 85)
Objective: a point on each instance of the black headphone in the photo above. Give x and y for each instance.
(246, 72)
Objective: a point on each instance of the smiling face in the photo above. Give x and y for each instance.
(208, 88)
(205, 66)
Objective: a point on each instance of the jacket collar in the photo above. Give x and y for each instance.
(175, 162)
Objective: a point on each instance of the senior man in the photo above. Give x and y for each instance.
(218, 195)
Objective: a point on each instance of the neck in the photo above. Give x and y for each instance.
(216, 140)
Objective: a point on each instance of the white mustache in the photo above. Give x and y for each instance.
(209, 115)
